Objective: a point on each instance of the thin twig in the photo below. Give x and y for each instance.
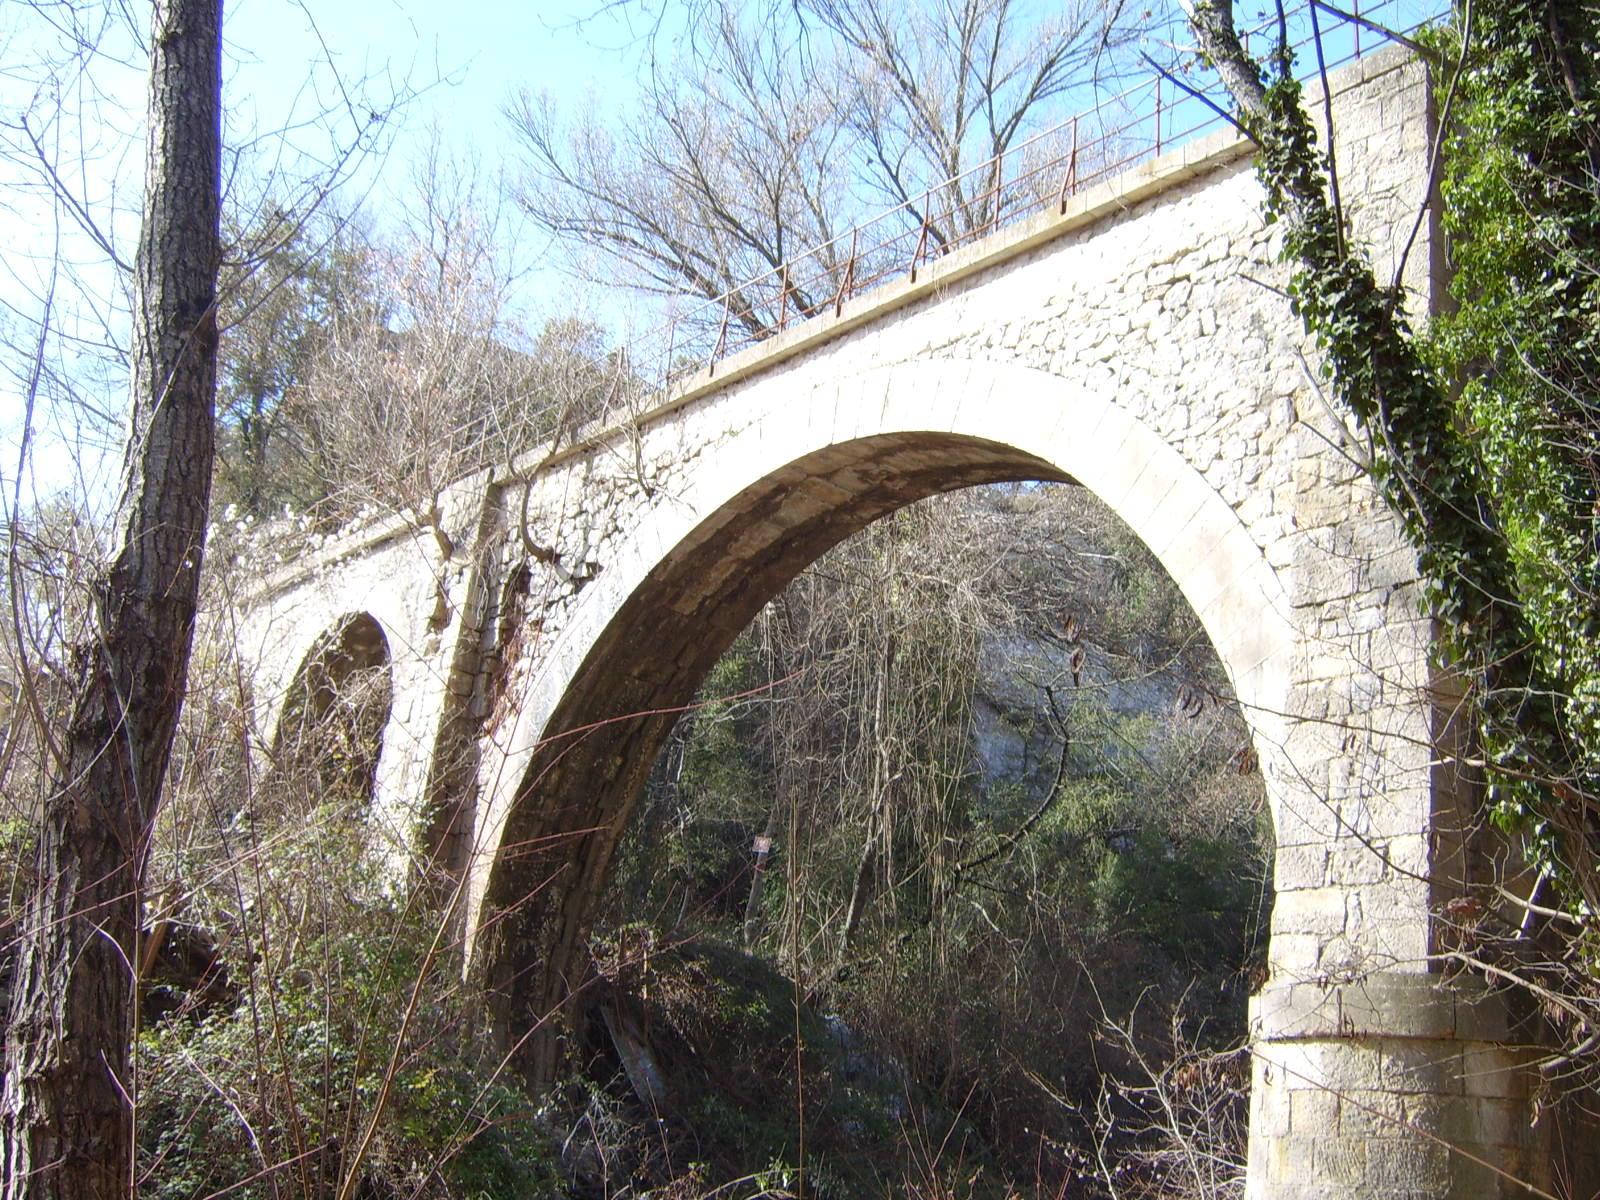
(1196, 93)
(1416, 47)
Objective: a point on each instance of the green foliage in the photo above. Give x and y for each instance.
(1127, 849)
(1199, 901)
(740, 1054)
(267, 1098)
(723, 767)
(1140, 601)
(1497, 492)
(1523, 208)
(289, 288)
(998, 923)
(359, 368)
(260, 1078)
(264, 1100)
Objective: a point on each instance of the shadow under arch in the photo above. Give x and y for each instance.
(330, 727)
(576, 794)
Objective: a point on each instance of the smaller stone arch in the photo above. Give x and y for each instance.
(329, 732)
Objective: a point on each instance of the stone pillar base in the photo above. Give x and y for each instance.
(1394, 1086)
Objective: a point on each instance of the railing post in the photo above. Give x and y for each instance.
(994, 191)
(1072, 164)
(1069, 177)
(994, 198)
(722, 334)
(847, 285)
(783, 298)
(850, 275)
(1158, 115)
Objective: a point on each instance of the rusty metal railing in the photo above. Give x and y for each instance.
(1139, 122)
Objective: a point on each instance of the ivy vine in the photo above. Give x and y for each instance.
(1484, 429)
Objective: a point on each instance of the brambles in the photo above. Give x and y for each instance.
(262, 1088)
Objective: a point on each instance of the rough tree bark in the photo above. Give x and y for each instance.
(67, 1118)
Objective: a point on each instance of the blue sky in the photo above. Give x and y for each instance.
(465, 59)
(287, 62)
(478, 51)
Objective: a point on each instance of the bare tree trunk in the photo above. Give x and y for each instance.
(877, 822)
(67, 1118)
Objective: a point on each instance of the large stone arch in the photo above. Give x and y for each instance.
(338, 703)
(810, 471)
(1338, 704)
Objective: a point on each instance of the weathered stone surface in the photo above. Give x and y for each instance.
(1135, 344)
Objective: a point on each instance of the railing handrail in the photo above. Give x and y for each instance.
(646, 367)
(791, 275)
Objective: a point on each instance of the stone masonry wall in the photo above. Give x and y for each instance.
(1139, 343)
(1189, 337)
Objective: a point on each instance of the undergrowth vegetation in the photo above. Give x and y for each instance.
(1014, 908)
(305, 1030)
(967, 907)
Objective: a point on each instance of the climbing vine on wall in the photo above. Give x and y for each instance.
(1484, 432)
(1522, 208)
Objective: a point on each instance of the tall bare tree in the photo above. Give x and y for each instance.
(781, 126)
(68, 1108)
(435, 375)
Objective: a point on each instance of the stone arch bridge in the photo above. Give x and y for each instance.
(1135, 343)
